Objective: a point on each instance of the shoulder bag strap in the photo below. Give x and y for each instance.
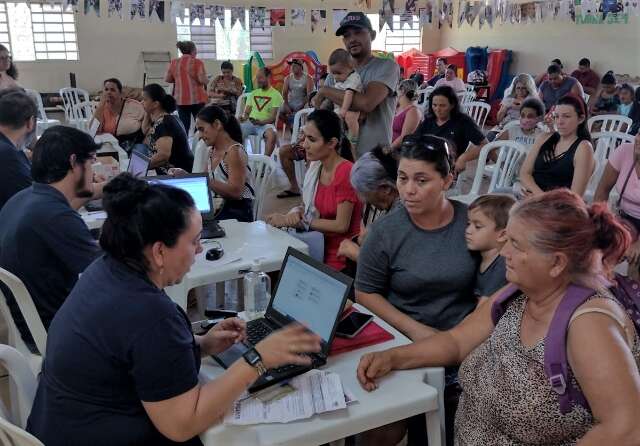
(119, 116)
(556, 364)
(624, 185)
(499, 305)
(226, 174)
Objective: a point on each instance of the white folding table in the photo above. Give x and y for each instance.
(401, 394)
(243, 243)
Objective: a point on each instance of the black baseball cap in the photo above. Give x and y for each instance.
(354, 19)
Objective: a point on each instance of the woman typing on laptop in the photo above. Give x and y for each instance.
(123, 352)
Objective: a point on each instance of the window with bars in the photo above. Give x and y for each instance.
(229, 41)
(4, 27)
(405, 35)
(39, 31)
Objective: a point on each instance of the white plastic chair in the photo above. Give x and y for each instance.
(24, 380)
(78, 108)
(479, 111)
(111, 144)
(240, 104)
(201, 157)
(43, 122)
(298, 121)
(262, 169)
(606, 142)
(594, 180)
(465, 97)
(610, 123)
(11, 435)
(27, 308)
(510, 157)
(423, 95)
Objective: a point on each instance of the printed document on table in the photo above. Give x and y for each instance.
(316, 392)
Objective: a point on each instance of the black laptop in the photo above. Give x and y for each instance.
(138, 164)
(308, 292)
(197, 185)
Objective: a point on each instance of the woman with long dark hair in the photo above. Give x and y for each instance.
(8, 70)
(229, 172)
(563, 158)
(165, 136)
(331, 205)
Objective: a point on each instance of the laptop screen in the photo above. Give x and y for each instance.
(138, 165)
(309, 296)
(196, 186)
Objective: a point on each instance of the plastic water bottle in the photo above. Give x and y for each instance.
(257, 291)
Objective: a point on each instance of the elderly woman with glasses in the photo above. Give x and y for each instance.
(414, 269)
(522, 88)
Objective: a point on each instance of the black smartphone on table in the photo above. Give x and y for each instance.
(352, 324)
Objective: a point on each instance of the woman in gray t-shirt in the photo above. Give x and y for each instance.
(414, 269)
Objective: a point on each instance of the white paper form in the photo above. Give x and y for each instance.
(316, 392)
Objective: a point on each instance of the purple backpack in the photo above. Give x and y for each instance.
(627, 292)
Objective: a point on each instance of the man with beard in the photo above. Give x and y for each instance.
(377, 101)
(43, 240)
(17, 121)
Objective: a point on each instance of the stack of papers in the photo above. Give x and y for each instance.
(314, 392)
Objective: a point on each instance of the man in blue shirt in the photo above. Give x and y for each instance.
(17, 121)
(43, 240)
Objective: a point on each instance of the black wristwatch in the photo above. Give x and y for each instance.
(254, 359)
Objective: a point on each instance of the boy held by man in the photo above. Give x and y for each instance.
(486, 234)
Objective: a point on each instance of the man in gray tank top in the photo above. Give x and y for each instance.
(557, 86)
(380, 77)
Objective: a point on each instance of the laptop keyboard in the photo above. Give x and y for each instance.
(256, 332)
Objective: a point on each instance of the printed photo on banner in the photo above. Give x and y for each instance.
(426, 15)
(238, 16)
(338, 15)
(447, 12)
(298, 16)
(278, 17)
(137, 8)
(386, 14)
(258, 16)
(196, 15)
(177, 11)
(319, 20)
(156, 10)
(70, 5)
(114, 8)
(216, 12)
(92, 5)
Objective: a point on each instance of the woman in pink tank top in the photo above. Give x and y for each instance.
(408, 115)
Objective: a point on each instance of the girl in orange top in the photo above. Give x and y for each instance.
(189, 79)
